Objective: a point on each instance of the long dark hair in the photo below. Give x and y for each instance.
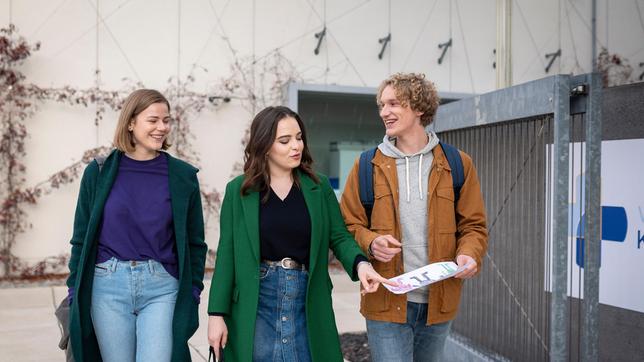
(262, 135)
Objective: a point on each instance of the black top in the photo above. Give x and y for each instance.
(284, 227)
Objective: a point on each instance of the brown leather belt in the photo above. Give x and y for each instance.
(286, 263)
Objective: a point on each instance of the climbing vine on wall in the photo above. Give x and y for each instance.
(274, 71)
(19, 100)
(614, 69)
(15, 108)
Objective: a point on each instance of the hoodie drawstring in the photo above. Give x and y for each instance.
(420, 174)
(388, 148)
(407, 178)
(420, 179)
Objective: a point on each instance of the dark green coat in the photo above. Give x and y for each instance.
(191, 252)
(235, 283)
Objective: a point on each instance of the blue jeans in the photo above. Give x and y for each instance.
(280, 327)
(132, 309)
(406, 342)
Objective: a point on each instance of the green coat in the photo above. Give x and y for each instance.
(235, 283)
(191, 252)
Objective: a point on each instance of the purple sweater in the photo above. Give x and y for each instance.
(137, 218)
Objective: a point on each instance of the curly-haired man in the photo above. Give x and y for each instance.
(415, 221)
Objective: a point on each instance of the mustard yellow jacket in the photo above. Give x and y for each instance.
(454, 229)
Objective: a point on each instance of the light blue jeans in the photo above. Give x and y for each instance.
(406, 342)
(280, 327)
(132, 308)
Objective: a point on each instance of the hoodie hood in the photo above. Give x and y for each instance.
(389, 149)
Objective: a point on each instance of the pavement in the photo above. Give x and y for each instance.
(29, 330)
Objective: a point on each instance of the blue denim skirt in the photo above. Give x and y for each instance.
(280, 328)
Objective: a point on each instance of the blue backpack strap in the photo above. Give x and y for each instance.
(456, 164)
(365, 181)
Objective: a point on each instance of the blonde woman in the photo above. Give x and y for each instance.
(138, 250)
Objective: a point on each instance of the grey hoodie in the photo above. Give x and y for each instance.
(413, 176)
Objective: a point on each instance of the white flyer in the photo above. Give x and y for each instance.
(423, 276)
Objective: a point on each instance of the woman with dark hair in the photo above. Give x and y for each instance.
(270, 298)
(138, 250)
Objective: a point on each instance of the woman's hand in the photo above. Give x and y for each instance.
(370, 279)
(217, 334)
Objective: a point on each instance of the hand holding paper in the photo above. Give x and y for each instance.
(467, 266)
(424, 276)
(370, 279)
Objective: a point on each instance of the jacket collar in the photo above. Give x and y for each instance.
(106, 177)
(313, 198)
(250, 206)
(381, 160)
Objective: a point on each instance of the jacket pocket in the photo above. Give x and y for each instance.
(382, 216)
(445, 213)
(451, 294)
(103, 269)
(235, 296)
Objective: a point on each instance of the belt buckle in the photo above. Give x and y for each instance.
(287, 263)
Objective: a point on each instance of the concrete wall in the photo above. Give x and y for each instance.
(150, 41)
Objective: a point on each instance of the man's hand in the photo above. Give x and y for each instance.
(469, 264)
(385, 247)
(217, 334)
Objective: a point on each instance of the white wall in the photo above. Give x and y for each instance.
(149, 41)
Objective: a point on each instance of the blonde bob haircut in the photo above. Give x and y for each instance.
(413, 90)
(134, 104)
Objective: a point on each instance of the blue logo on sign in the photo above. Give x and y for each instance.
(614, 227)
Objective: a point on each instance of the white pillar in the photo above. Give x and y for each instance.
(503, 43)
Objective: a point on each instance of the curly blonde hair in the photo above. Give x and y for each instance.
(412, 89)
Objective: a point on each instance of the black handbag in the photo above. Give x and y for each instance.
(211, 354)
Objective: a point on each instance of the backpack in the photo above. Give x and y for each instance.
(365, 175)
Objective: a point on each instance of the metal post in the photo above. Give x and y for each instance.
(593, 35)
(559, 306)
(592, 225)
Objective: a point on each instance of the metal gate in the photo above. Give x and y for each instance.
(519, 139)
